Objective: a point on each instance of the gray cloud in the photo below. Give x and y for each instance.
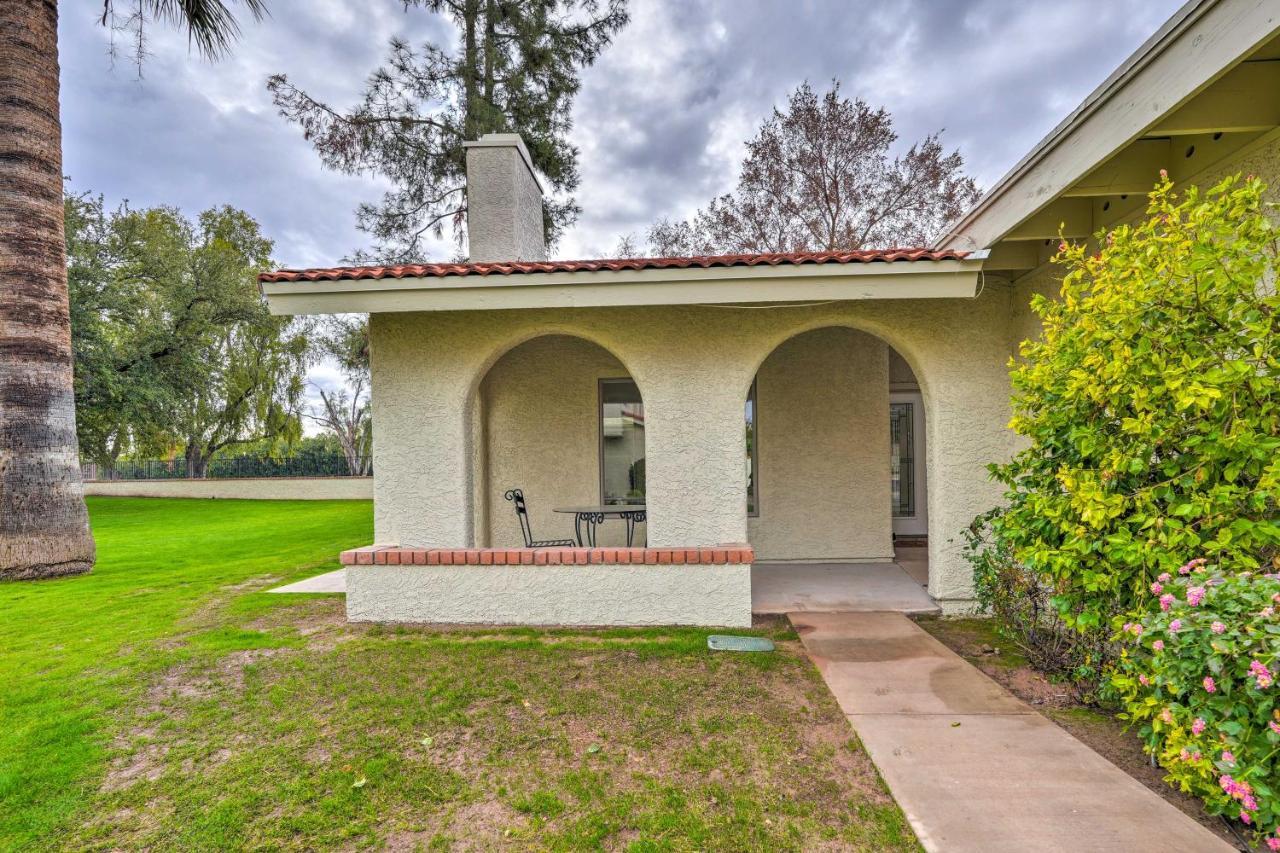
(660, 121)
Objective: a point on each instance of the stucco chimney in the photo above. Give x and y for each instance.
(504, 201)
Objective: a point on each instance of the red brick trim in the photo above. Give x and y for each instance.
(392, 555)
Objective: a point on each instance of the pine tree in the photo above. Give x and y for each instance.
(515, 69)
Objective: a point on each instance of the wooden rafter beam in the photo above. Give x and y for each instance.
(1245, 98)
(1068, 217)
(1133, 170)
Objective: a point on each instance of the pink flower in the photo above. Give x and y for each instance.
(1195, 595)
(1198, 726)
(1229, 757)
(1166, 600)
(1175, 626)
(1217, 627)
(1184, 755)
(1209, 685)
(1274, 726)
(1245, 817)
(1273, 843)
(1157, 588)
(1132, 628)
(1143, 680)
(1267, 611)
(1158, 645)
(1167, 716)
(1259, 671)
(1191, 566)
(1236, 790)
(1164, 577)
(1164, 173)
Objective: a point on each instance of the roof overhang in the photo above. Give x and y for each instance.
(1205, 87)
(924, 279)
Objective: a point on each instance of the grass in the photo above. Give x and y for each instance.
(165, 701)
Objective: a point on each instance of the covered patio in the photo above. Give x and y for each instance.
(784, 417)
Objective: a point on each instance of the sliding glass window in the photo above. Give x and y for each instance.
(753, 464)
(621, 442)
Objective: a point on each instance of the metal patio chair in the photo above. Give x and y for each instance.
(522, 513)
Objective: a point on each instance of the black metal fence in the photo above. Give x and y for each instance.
(302, 465)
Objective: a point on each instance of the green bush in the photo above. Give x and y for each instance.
(1151, 406)
(1199, 677)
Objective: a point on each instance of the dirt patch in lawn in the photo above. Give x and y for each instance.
(977, 641)
(415, 737)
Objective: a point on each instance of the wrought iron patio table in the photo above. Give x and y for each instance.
(585, 519)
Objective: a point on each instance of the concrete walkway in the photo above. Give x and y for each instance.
(335, 581)
(973, 767)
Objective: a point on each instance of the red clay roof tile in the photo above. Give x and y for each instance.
(526, 267)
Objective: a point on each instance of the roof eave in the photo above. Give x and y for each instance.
(1205, 37)
(673, 286)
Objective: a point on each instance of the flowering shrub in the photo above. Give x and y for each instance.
(1151, 409)
(1198, 675)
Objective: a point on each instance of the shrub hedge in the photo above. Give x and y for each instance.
(1198, 676)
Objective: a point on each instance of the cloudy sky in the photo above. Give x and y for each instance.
(660, 121)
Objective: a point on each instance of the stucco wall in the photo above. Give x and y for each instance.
(540, 408)
(823, 440)
(256, 488)
(693, 366)
(552, 595)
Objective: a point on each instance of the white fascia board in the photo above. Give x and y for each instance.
(1200, 43)
(714, 286)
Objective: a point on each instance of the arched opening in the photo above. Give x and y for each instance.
(835, 427)
(560, 418)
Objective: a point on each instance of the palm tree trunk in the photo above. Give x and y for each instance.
(44, 526)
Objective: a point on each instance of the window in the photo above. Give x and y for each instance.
(902, 461)
(753, 502)
(621, 442)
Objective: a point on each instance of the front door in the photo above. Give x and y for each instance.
(906, 465)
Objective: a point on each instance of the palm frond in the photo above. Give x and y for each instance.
(211, 25)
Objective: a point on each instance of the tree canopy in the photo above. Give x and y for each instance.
(820, 177)
(515, 68)
(174, 347)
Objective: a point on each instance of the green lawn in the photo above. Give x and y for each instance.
(164, 701)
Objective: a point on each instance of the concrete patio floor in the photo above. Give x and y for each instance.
(972, 766)
(844, 587)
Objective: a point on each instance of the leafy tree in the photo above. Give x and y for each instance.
(44, 525)
(819, 177)
(175, 345)
(1151, 407)
(514, 69)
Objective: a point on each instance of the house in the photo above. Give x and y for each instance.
(788, 410)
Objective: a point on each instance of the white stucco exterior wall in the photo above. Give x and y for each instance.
(552, 595)
(823, 440)
(693, 366)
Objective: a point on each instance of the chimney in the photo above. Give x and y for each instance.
(504, 201)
